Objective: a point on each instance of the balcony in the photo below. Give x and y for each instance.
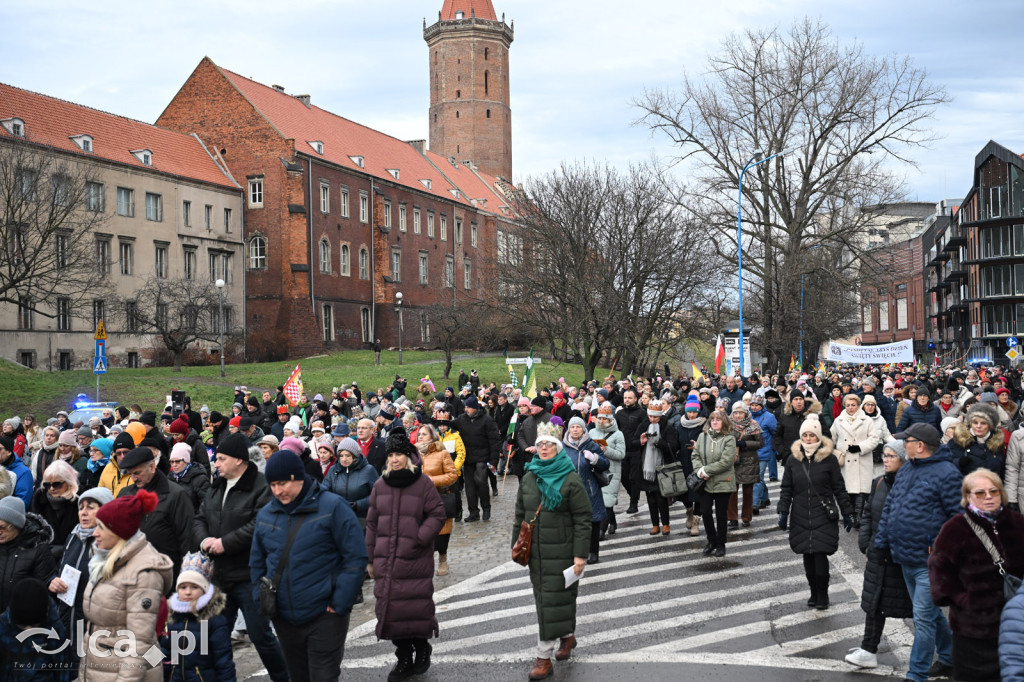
(956, 237)
(954, 270)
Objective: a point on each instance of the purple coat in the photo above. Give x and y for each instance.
(405, 515)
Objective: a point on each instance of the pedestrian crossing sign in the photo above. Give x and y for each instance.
(101, 365)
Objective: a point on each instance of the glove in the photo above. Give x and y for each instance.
(853, 448)
(1013, 506)
(848, 522)
(702, 474)
(591, 456)
(783, 521)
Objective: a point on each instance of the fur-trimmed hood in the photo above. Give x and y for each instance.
(212, 608)
(963, 437)
(823, 453)
(813, 406)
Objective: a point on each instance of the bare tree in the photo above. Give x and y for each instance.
(848, 118)
(175, 312)
(49, 209)
(610, 265)
(465, 325)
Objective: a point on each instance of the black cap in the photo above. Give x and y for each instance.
(245, 423)
(539, 402)
(926, 433)
(158, 442)
(124, 441)
(253, 401)
(148, 418)
(137, 456)
(236, 445)
(7, 442)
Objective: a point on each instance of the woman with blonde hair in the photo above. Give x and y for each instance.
(714, 460)
(46, 453)
(126, 582)
(855, 436)
(57, 502)
(439, 466)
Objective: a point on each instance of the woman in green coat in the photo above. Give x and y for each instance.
(553, 491)
(714, 460)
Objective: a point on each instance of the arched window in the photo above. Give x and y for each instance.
(325, 256)
(258, 253)
(486, 83)
(364, 263)
(345, 263)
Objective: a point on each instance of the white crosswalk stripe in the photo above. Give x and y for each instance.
(658, 599)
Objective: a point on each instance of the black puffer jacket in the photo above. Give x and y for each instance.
(168, 527)
(629, 419)
(810, 531)
(62, 517)
(233, 520)
(788, 430)
(27, 556)
(885, 592)
(480, 436)
(195, 481)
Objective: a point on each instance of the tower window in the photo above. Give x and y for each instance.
(456, 114)
(435, 118)
(458, 94)
(488, 113)
(460, 15)
(486, 52)
(485, 82)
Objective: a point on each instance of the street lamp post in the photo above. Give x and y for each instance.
(398, 309)
(755, 160)
(816, 246)
(220, 317)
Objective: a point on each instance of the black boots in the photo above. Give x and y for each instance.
(403, 670)
(812, 582)
(821, 602)
(422, 663)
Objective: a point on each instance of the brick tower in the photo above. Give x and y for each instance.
(470, 117)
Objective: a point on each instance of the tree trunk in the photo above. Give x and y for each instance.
(177, 360)
(447, 362)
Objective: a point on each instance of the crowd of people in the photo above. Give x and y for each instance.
(178, 521)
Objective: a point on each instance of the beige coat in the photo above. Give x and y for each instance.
(129, 600)
(858, 467)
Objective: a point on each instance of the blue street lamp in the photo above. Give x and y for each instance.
(755, 160)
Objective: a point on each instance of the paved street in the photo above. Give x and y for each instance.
(653, 607)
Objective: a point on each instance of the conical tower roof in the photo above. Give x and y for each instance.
(481, 9)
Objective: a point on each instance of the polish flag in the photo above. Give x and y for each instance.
(719, 355)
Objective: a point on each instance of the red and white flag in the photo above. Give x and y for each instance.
(719, 355)
(293, 387)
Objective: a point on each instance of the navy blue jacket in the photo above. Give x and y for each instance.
(1011, 639)
(913, 414)
(217, 664)
(327, 560)
(23, 486)
(579, 460)
(353, 483)
(887, 406)
(925, 494)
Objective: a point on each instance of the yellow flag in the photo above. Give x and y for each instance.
(696, 372)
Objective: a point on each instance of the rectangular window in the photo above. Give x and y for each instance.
(61, 186)
(154, 207)
(328, 323)
(27, 358)
(415, 221)
(26, 316)
(424, 327)
(94, 197)
(190, 263)
(160, 261)
(458, 230)
(364, 208)
(883, 316)
(208, 217)
(995, 202)
(62, 250)
(63, 314)
(467, 275)
(444, 228)
(387, 213)
(430, 224)
(344, 202)
(125, 202)
(163, 315)
(131, 316)
(126, 256)
(364, 264)
(364, 324)
(64, 361)
(99, 308)
(220, 266)
(401, 218)
(325, 198)
(396, 264)
(256, 193)
(449, 272)
(133, 359)
(26, 180)
(901, 313)
(186, 213)
(868, 326)
(423, 267)
(473, 234)
(227, 219)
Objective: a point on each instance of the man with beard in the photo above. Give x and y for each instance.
(629, 418)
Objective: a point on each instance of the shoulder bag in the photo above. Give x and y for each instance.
(268, 587)
(671, 480)
(450, 500)
(1011, 583)
(695, 483)
(830, 509)
(521, 548)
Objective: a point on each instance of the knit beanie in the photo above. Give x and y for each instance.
(811, 425)
(948, 422)
(123, 516)
(325, 443)
(182, 451)
(350, 445)
(539, 402)
(398, 441)
(29, 603)
(235, 445)
(137, 431)
(577, 421)
(285, 465)
(104, 445)
(148, 418)
(197, 569)
(100, 496)
(123, 441)
(899, 447)
(68, 437)
(692, 404)
(293, 445)
(12, 510)
(179, 426)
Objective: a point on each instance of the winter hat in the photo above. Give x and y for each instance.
(285, 466)
(539, 402)
(325, 443)
(29, 602)
(471, 402)
(179, 426)
(692, 404)
(557, 421)
(948, 422)
(811, 425)
(84, 430)
(796, 394)
(868, 398)
(235, 421)
(757, 400)
(577, 421)
(196, 568)
(523, 401)
(988, 397)
(740, 406)
(100, 496)
(606, 410)
(270, 439)
(12, 510)
(235, 445)
(888, 384)
(293, 445)
(1002, 390)
(984, 411)
(148, 418)
(182, 451)
(68, 437)
(398, 441)
(240, 406)
(899, 447)
(123, 440)
(124, 515)
(549, 433)
(245, 423)
(137, 432)
(205, 409)
(137, 456)
(104, 445)
(253, 401)
(656, 408)
(350, 445)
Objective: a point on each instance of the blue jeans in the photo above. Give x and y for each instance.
(240, 597)
(761, 488)
(773, 467)
(931, 631)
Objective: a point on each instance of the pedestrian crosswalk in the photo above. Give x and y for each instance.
(658, 599)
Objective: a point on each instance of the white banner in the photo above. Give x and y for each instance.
(901, 351)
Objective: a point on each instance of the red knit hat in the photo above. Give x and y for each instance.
(124, 515)
(179, 426)
(235, 421)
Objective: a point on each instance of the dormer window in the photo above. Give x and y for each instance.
(426, 183)
(144, 156)
(14, 126)
(460, 15)
(317, 146)
(394, 172)
(357, 160)
(84, 142)
(455, 193)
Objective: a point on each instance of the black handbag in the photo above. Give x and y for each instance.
(694, 483)
(268, 587)
(830, 510)
(450, 499)
(603, 478)
(1011, 583)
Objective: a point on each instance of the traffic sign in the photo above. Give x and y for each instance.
(101, 332)
(101, 349)
(1011, 341)
(101, 365)
(1013, 354)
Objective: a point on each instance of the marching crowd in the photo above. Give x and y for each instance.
(173, 522)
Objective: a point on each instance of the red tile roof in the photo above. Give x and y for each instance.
(343, 139)
(481, 9)
(474, 184)
(51, 122)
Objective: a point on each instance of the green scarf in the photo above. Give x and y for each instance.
(550, 475)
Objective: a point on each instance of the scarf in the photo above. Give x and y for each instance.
(810, 450)
(178, 606)
(83, 534)
(401, 478)
(742, 428)
(550, 475)
(63, 456)
(837, 408)
(988, 516)
(99, 558)
(692, 423)
(177, 477)
(424, 448)
(96, 466)
(652, 455)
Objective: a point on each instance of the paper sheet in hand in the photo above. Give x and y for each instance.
(70, 575)
(571, 577)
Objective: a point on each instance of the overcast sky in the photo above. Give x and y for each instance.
(575, 64)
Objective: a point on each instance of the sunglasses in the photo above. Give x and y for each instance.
(56, 485)
(991, 492)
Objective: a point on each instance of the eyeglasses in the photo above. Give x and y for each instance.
(56, 485)
(991, 492)
(122, 451)
(889, 457)
(911, 440)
